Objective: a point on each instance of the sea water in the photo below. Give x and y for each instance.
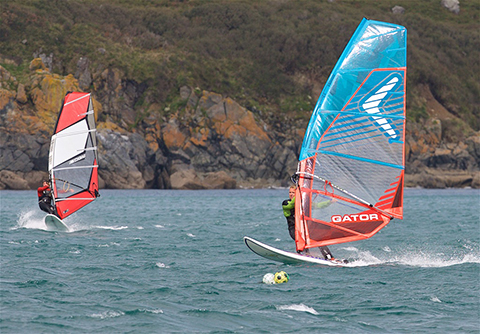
(164, 261)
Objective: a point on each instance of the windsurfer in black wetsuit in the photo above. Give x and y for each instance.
(288, 206)
(45, 199)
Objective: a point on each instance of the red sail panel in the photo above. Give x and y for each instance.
(322, 218)
(75, 105)
(93, 187)
(73, 203)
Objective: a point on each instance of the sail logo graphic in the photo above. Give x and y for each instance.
(355, 218)
(371, 106)
(77, 159)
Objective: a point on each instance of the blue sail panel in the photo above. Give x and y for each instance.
(374, 45)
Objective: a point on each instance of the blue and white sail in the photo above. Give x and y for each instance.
(353, 152)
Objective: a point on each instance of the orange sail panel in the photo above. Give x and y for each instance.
(351, 166)
(73, 159)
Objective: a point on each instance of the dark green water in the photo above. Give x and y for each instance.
(174, 261)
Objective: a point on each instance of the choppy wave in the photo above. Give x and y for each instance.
(151, 311)
(110, 276)
(113, 228)
(297, 307)
(107, 314)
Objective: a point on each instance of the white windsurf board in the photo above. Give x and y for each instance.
(55, 224)
(279, 255)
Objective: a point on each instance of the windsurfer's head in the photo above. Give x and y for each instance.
(291, 191)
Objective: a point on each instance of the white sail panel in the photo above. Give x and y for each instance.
(68, 143)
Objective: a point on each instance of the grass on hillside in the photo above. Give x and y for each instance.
(268, 55)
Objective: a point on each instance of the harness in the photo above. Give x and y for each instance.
(46, 197)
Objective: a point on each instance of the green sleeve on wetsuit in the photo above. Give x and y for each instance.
(322, 205)
(289, 206)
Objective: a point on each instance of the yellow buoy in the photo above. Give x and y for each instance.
(281, 277)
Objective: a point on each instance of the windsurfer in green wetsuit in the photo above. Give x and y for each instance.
(288, 206)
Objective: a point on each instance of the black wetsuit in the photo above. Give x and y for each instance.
(45, 200)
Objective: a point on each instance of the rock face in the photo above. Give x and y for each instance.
(223, 134)
(452, 5)
(433, 161)
(25, 131)
(121, 158)
(209, 142)
(212, 143)
(398, 10)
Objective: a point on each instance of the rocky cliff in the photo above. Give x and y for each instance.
(207, 142)
(211, 143)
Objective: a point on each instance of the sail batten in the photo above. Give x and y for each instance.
(354, 143)
(73, 161)
(362, 159)
(76, 167)
(77, 99)
(68, 134)
(75, 199)
(89, 149)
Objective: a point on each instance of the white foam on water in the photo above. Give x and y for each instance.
(362, 258)
(297, 307)
(414, 258)
(161, 265)
(110, 244)
(32, 219)
(35, 219)
(436, 260)
(114, 228)
(154, 311)
(75, 226)
(107, 314)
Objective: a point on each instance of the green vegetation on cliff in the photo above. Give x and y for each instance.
(267, 55)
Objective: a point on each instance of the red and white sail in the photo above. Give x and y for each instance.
(73, 159)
